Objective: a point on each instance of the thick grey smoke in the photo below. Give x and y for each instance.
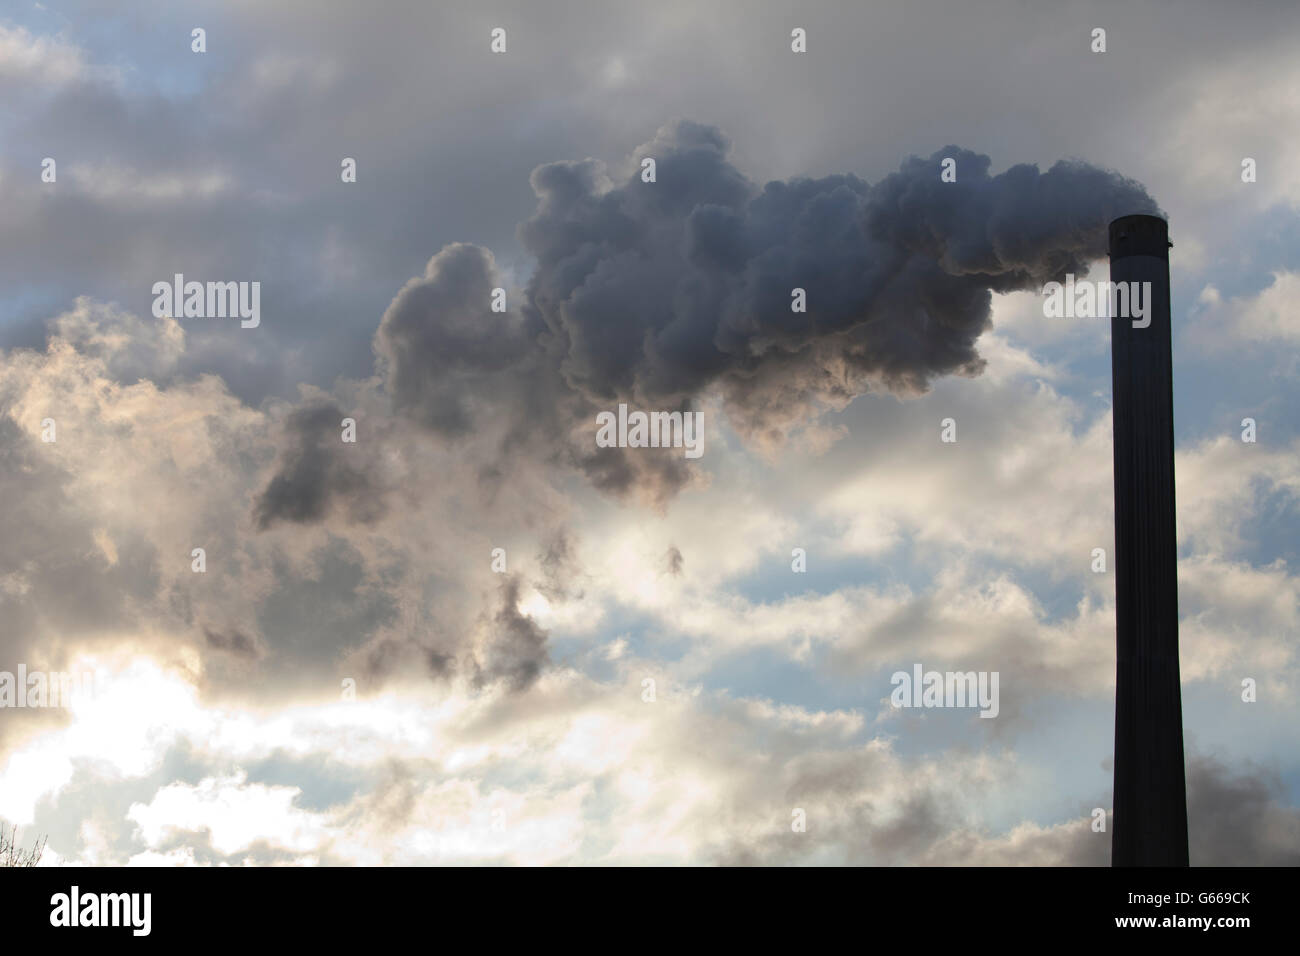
(659, 293)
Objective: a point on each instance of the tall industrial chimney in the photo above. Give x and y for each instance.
(1149, 827)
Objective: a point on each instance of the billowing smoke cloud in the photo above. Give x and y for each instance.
(660, 290)
(666, 293)
(443, 345)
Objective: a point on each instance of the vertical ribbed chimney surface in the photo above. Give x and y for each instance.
(1149, 826)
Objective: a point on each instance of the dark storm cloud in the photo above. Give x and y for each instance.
(316, 474)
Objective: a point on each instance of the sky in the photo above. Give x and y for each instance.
(473, 635)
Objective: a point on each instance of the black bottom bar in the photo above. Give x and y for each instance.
(684, 907)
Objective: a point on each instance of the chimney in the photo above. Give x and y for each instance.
(1149, 827)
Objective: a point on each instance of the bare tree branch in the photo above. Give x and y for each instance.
(12, 854)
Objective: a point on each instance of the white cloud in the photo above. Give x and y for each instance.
(43, 60)
(1269, 317)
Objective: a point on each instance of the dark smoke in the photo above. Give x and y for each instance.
(660, 294)
(661, 291)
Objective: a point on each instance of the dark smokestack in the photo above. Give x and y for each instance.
(1150, 801)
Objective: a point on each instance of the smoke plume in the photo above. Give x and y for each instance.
(665, 293)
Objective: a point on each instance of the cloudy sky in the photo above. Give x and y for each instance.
(648, 680)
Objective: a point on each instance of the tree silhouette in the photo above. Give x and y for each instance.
(12, 854)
